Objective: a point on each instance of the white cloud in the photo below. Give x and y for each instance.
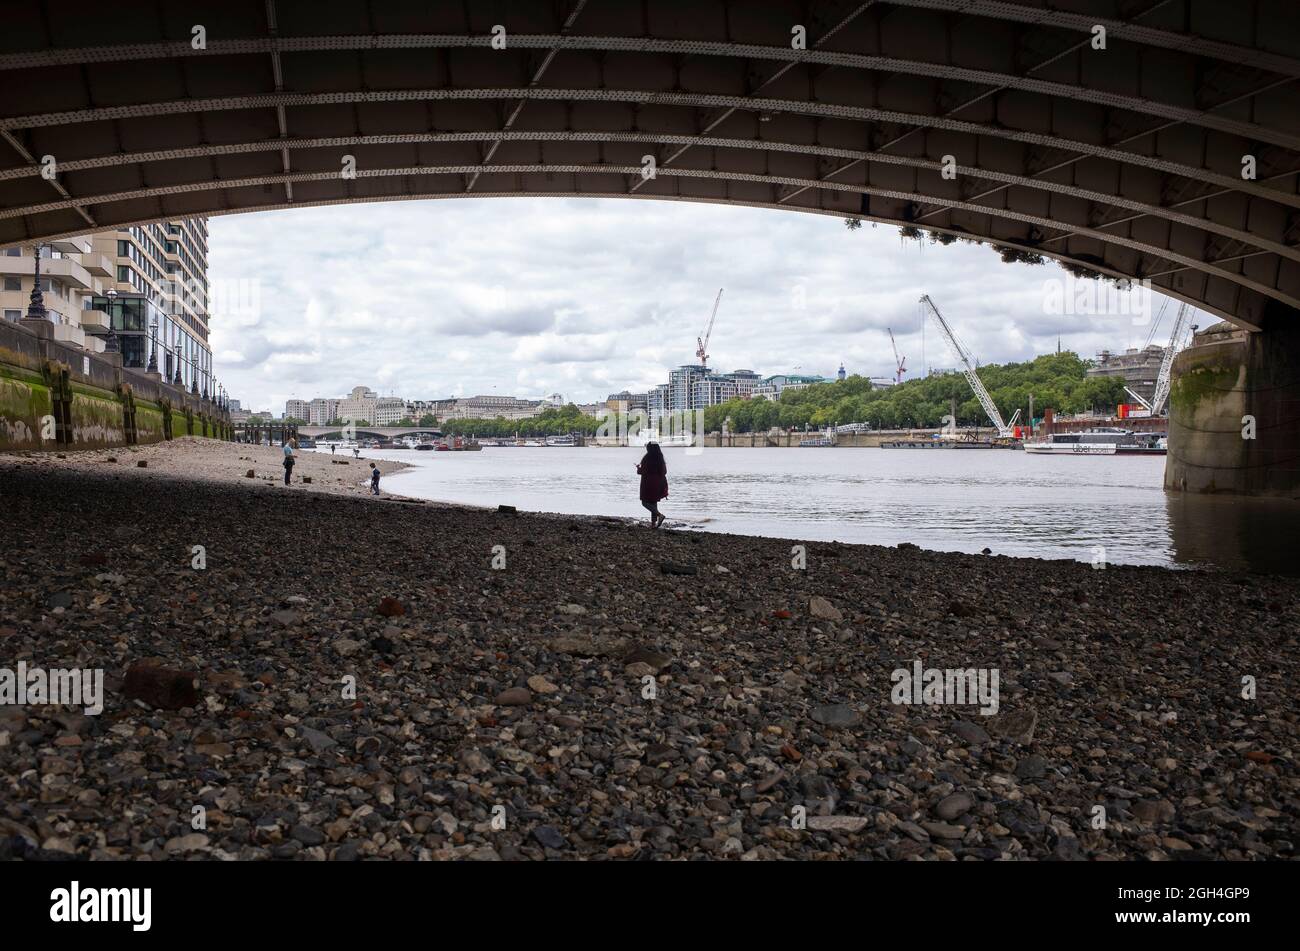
(527, 296)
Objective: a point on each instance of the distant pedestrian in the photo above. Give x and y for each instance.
(356, 453)
(374, 479)
(288, 461)
(333, 446)
(654, 482)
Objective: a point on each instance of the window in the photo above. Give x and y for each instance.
(13, 315)
(14, 252)
(13, 284)
(123, 249)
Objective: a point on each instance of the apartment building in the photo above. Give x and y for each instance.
(389, 411)
(692, 387)
(321, 411)
(359, 405)
(297, 409)
(150, 281)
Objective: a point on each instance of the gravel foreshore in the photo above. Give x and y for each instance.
(537, 686)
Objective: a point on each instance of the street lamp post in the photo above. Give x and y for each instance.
(36, 309)
(110, 342)
(153, 340)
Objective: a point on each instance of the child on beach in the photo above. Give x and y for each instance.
(374, 479)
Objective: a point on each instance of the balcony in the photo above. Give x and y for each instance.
(71, 245)
(98, 265)
(65, 270)
(94, 320)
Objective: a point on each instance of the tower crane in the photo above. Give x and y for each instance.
(702, 343)
(968, 368)
(900, 362)
(1176, 344)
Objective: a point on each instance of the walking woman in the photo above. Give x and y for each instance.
(654, 482)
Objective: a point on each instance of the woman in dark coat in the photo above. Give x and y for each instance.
(654, 482)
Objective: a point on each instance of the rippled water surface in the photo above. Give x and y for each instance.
(956, 500)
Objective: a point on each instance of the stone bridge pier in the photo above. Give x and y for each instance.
(1234, 413)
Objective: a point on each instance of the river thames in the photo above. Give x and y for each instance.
(1095, 508)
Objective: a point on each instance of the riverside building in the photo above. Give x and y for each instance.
(150, 281)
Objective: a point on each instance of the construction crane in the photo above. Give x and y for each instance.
(702, 343)
(968, 368)
(900, 362)
(1176, 343)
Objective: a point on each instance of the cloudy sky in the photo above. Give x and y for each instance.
(584, 297)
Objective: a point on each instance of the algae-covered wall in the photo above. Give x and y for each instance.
(56, 396)
(25, 408)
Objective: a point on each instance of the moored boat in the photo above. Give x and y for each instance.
(1103, 441)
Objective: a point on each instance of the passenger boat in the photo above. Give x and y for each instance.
(565, 441)
(1101, 442)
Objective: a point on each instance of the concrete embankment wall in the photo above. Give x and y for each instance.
(1234, 415)
(55, 396)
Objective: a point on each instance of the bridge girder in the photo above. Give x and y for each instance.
(1127, 161)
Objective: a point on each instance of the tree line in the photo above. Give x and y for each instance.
(1057, 380)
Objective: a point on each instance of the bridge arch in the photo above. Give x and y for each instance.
(1126, 160)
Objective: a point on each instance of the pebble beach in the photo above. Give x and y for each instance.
(348, 677)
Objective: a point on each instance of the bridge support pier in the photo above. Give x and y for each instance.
(1234, 414)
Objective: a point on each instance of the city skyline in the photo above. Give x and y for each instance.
(587, 297)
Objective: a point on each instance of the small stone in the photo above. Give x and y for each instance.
(539, 684)
(307, 835)
(972, 733)
(142, 464)
(345, 647)
(820, 608)
(954, 806)
(391, 607)
(1152, 811)
(835, 715)
(572, 609)
(655, 660)
(943, 830)
(250, 474)
(514, 697)
(318, 741)
(187, 843)
(550, 837)
(285, 618)
(162, 687)
(1017, 726)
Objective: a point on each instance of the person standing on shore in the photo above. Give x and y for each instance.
(374, 479)
(288, 460)
(654, 482)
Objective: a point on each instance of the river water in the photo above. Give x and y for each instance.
(1014, 503)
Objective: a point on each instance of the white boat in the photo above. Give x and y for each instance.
(1101, 442)
(346, 445)
(561, 441)
(671, 441)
